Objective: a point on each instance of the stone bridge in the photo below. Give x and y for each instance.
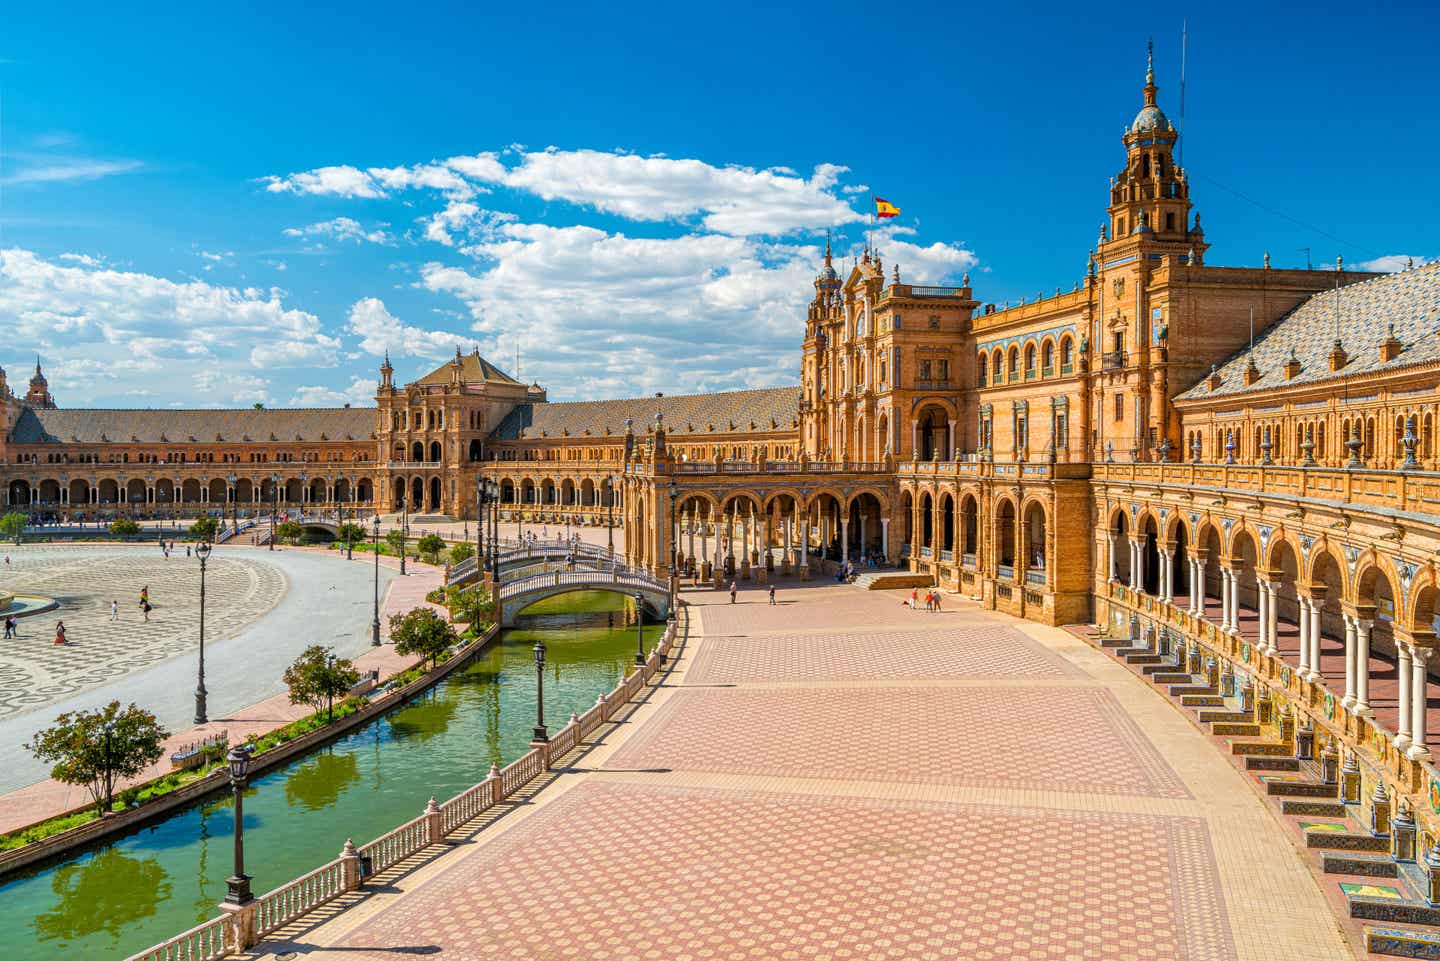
(520, 594)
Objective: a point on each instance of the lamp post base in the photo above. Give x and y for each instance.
(375, 633)
(541, 735)
(238, 890)
(200, 712)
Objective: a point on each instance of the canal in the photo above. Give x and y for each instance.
(146, 886)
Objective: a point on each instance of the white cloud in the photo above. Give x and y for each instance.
(84, 260)
(360, 393)
(1391, 263)
(150, 332)
(37, 169)
(342, 229)
(725, 199)
(380, 331)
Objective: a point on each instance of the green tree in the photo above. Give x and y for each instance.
(462, 551)
(289, 531)
(351, 534)
(204, 529)
(430, 547)
(396, 542)
(13, 524)
(317, 677)
(82, 751)
(422, 632)
(472, 606)
(124, 527)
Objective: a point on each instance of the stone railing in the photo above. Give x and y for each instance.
(240, 928)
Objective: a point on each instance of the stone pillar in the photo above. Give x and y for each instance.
(1418, 693)
(1227, 599)
(1198, 591)
(1134, 565)
(1262, 600)
(805, 547)
(1349, 700)
(785, 525)
(1315, 636)
(1304, 636)
(949, 439)
(885, 538)
(845, 540)
(1403, 674)
(862, 536)
(1362, 665)
(1114, 574)
(690, 547)
(1272, 605)
(1162, 588)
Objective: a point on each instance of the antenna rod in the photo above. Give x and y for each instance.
(1183, 32)
(1252, 332)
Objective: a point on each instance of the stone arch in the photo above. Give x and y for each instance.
(1244, 558)
(1283, 563)
(417, 493)
(1006, 537)
(109, 489)
(435, 456)
(219, 491)
(364, 491)
(982, 369)
(997, 367)
(932, 427)
(927, 520)
(1035, 515)
(1119, 526)
(567, 492)
(969, 527)
(417, 452)
(1424, 606)
(1012, 364)
(19, 493)
(527, 490)
(245, 490)
(1147, 526)
(948, 518)
(1047, 356)
(1030, 359)
(436, 495)
(79, 490)
(190, 491)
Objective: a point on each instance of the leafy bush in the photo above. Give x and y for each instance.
(462, 551)
(124, 527)
(422, 632)
(204, 529)
(430, 547)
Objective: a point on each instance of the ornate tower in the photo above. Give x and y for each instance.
(816, 389)
(39, 393)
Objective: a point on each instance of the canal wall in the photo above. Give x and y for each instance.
(58, 845)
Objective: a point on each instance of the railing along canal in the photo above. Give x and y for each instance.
(242, 928)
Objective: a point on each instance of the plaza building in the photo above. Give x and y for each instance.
(1237, 462)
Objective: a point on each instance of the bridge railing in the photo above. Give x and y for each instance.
(628, 577)
(239, 930)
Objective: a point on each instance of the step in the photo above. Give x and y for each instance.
(1358, 864)
(1398, 942)
(1234, 729)
(1279, 786)
(1186, 690)
(1384, 902)
(1127, 650)
(1210, 717)
(1114, 642)
(1263, 762)
(1165, 666)
(1343, 840)
(1199, 700)
(1300, 807)
(1273, 749)
(1143, 659)
(1169, 678)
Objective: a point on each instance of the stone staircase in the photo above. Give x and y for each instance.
(1388, 897)
(891, 580)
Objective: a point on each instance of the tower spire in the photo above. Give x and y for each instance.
(1150, 88)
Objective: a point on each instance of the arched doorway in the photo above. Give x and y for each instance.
(1036, 549)
(1005, 540)
(435, 501)
(969, 530)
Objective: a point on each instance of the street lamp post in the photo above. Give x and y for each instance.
(109, 782)
(639, 629)
(495, 535)
(202, 551)
(404, 531)
(610, 516)
(238, 884)
(541, 735)
(375, 625)
(274, 505)
(480, 497)
(349, 539)
(674, 534)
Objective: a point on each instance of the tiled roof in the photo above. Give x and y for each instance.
(474, 369)
(775, 409)
(1409, 300)
(79, 426)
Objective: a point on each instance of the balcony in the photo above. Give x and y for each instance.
(933, 384)
(1005, 572)
(967, 559)
(1035, 577)
(1112, 360)
(947, 557)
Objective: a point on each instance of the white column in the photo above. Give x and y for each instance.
(785, 539)
(1262, 601)
(1199, 588)
(1349, 700)
(1227, 599)
(1315, 638)
(1362, 665)
(1418, 748)
(845, 541)
(704, 541)
(1304, 637)
(950, 439)
(1162, 582)
(690, 522)
(862, 535)
(1402, 723)
(1134, 565)
(885, 537)
(1114, 563)
(1272, 615)
(1190, 578)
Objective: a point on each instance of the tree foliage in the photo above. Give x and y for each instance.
(395, 539)
(462, 551)
(12, 524)
(470, 605)
(317, 677)
(204, 528)
(79, 751)
(289, 531)
(422, 632)
(351, 534)
(124, 527)
(430, 547)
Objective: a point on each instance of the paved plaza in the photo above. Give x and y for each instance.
(261, 608)
(839, 777)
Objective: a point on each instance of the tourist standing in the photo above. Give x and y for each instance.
(114, 611)
(9, 628)
(59, 632)
(937, 600)
(732, 592)
(772, 595)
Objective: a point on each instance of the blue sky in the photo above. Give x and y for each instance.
(222, 208)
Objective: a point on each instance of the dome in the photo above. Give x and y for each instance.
(1150, 118)
(828, 274)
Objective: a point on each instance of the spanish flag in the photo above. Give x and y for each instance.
(884, 208)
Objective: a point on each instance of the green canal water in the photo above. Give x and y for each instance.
(146, 886)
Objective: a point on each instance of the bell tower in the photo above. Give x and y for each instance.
(1150, 197)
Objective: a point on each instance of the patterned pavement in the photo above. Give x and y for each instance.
(34, 671)
(838, 777)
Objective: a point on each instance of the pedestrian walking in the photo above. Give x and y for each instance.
(772, 595)
(732, 592)
(114, 611)
(9, 628)
(937, 600)
(914, 599)
(59, 632)
(928, 601)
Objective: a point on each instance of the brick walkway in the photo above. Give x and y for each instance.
(47, 798)
(834, 777)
